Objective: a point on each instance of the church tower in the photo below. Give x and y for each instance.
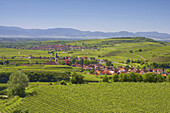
(56, 58)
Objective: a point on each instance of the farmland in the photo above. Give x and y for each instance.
(46, 94)
(112, 49)
(95, 97)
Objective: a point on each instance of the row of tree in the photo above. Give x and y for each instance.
(38, 76)
(135, 77)
(18, 81)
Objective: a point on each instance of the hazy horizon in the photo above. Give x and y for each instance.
(82, 30)
(89, 15)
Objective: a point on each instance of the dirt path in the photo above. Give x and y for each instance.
(5, 96)
(140, 56)
(120, 63)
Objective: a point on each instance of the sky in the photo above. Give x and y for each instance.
(88, 15)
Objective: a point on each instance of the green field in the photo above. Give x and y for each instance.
(92, 98)
(115, 49)
(43, 96)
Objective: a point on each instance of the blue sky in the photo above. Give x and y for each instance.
(88, 15)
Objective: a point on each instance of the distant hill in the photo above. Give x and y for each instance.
(16, 32)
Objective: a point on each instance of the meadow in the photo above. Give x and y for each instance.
(94, 97)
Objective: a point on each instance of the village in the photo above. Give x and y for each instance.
(60, 47)
(97, 67)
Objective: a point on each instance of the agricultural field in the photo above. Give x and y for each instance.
(92, 98)
(38, 68)
(45, 94)
(114, 49)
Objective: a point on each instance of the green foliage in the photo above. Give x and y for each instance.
(99, 98)
(132, 77)
(115, 77)
(76, 78)
(127, 61)
(17, 83)
(140, 50)
(167, 71)
(105, 79)
(149, 77)
(168, 78)
(135, 77)
(108, 63)
(131, 51)
(63, 82)
(139, 78)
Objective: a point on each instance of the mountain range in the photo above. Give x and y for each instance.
(17, 32)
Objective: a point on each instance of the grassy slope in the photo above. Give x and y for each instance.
(153, 51)
(39, 68)
(101, 97)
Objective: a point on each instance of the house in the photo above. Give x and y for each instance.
(142, 72)
(122, 70)
(111, 72)
(78, 65)
(99, 72)
(105, 72)
(158, 71)
(164, 75)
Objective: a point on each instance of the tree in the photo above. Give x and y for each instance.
(1, 63)
(131, 51)
(139, 78)
(7, 62)
(17, 83)
(73, 60)
(159, 78)
(115, 77)
(167, 71)
(108, 63)
(149, 77)
(127, 61)
(77, 78)
(132, 77)
(105, 79)
(168, 78)
(63, 82)
(140, 50)
(125, 77)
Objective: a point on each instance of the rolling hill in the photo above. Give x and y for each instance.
(16, 32)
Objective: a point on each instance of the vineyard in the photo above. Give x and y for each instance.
(96, 98)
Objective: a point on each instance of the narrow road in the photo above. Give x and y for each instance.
(140, 56)
(5, 96)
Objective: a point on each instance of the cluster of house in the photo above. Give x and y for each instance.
(110, 70)
(99, 69)
(61, 47)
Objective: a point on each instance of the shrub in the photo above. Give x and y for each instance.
(149, 77)
(77, 78)
(63, 82)
(105, 79)
(168, 78)
(132, 77)
(159, 78)
(115, 77)
(125, 78)
(139, 78)
(131, 51)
